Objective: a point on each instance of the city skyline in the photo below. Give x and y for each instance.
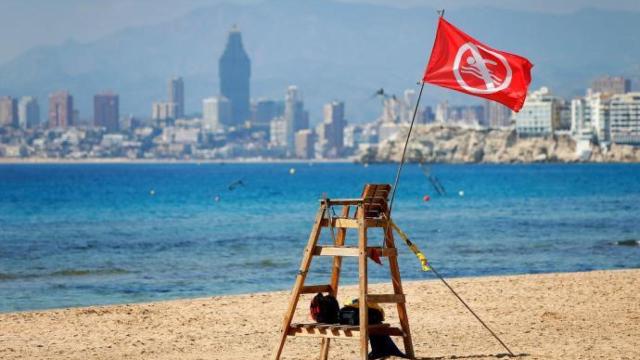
(239, 119)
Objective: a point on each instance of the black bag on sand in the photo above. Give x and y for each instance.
(324, 309)
(350, 315)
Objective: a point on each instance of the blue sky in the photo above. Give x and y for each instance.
(28, 23)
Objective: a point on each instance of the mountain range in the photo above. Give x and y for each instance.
(331, 50)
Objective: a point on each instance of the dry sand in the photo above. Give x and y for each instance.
(594, 315)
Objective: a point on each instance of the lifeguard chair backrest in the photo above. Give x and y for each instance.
(376, 198)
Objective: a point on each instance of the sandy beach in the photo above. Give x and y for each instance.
(593, 315)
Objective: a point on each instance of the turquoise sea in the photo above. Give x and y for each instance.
(73, 235)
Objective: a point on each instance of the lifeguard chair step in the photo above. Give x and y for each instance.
(346, 223)
(352, 251)
(340, 331)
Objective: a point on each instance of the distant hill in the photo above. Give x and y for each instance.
(329, 49)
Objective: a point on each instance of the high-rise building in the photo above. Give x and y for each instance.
(60, 109)
(427, 115)
(466, 114)
(332, 130)
(540, 114)
(392, 110)
(8, 111)
(305, 144)
(163, 110)
(235, 72)
(278, 132)
(176, 95)
(625, 118)
(106, 111)
(352, 134)
(295, 117)
(611, 85)
(497, 115)
(590, 116)
(564, 111)
(216, 112)
(408, 105)
(266, 110)
(28, 112)
(442, 112)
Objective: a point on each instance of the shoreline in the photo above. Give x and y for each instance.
(99, 161)
(251, 161)
(545, 316)
(405, 282)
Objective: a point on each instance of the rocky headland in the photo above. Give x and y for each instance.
(453, 144)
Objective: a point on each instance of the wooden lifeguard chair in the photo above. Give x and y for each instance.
(371, 211)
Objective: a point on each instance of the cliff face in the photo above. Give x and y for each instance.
(440, 144)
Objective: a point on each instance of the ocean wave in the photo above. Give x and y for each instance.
(269, 264)
(88, 272)
(65, 273)
(147, 246)
(4, 276)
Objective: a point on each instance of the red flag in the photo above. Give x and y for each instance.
(462, 63)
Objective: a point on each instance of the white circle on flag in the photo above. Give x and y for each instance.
(476, 65)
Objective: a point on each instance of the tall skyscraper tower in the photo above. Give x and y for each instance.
(497, 115)
(106, 112)
(176, 95)
(235, 72)
(295, 117)
(60, 109)
(334, 116)
(8, 111)
(28, 112)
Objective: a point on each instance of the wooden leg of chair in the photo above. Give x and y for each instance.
(362, 273)
(324, 348)
(397, 289)
(335, 278)
(297, 288)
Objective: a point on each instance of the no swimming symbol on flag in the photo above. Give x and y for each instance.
(482, 71)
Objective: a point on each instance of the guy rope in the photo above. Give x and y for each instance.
(426, 266)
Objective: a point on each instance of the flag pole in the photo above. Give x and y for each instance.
(406, 143)
(404, 149)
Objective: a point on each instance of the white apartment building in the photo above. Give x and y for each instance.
(590, 117)
(278, 132)
(624, 116)
(540, 114)
(163, 111)
(216, 112)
